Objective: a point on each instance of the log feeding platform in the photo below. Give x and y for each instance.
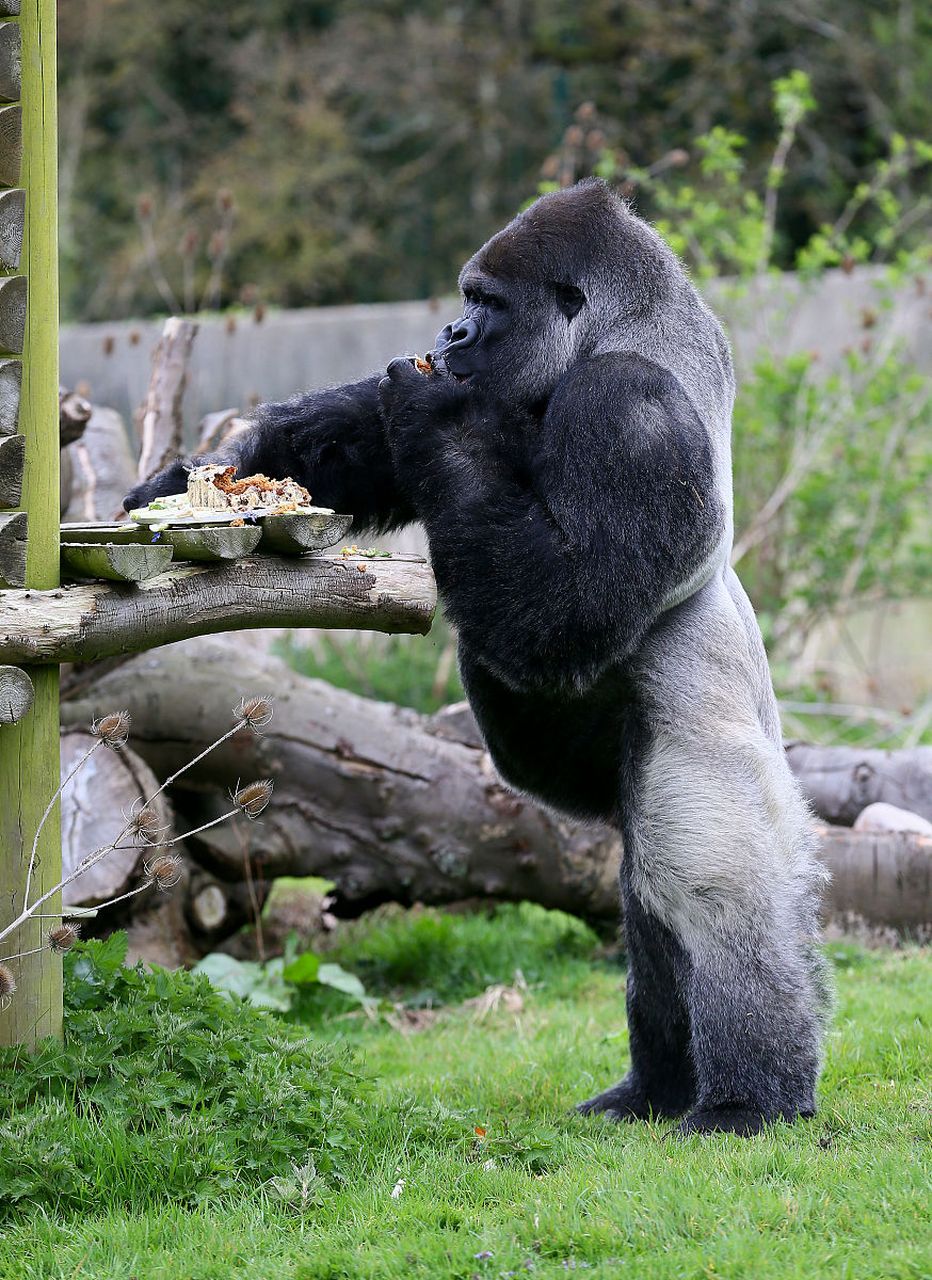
(85, 621)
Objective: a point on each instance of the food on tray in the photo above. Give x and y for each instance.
(214, 494)
(215, 488)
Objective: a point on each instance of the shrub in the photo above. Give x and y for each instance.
(166, 1089)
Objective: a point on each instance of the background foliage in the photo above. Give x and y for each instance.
(369, 145)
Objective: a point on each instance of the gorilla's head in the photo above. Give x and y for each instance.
(561, 282)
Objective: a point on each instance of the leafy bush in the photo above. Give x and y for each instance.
(439, 957)
(166, 1089)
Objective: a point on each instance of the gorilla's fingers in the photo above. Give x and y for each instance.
(173, 479)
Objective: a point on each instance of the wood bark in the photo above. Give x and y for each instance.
(13, 291)
(84, 622)
(126, 562)
(841, 781)
(12, 466)
(161, 423)
(392, 805)
(74, 413)
(94, 806)
(103, 468)
(11, 385)
(13, 531)
(12, 218)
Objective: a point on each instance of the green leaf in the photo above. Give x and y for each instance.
(334, 975)
(303, 970)
(260, 985)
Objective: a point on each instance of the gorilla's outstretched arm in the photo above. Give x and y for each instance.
(557, 543)
(332, 441)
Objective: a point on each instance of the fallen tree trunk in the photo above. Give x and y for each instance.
(392, 805)
(841, 781)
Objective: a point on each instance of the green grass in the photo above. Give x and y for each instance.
(542, 1191)
(414, 671)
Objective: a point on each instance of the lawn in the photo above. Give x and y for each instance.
(462, 1156)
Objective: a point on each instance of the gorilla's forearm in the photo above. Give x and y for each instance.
(331, 441)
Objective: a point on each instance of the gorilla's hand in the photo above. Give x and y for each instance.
(172, 479)
(405, 394)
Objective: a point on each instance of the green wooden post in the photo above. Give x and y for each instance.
(29, 750)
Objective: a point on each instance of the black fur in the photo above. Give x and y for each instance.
(568, 460)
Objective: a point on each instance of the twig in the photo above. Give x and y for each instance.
(51, 804)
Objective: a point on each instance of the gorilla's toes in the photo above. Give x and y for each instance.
(743, 1121)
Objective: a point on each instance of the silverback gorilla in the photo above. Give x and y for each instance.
(570, 462)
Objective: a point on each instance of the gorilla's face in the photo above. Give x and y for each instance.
(516, 336)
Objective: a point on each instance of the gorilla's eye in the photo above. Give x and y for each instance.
(570, 300)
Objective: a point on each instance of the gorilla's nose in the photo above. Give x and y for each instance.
(455, 337)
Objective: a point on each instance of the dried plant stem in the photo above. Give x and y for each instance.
(21, 955)
(82, 761)
(30, 910)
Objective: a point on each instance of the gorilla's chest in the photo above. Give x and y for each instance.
(566, 749)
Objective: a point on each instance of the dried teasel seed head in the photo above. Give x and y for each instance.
(113, 730)
(164, 871)
(145, 824)
(256, 712)
(7, 983)
(254, 797)
(63, 937)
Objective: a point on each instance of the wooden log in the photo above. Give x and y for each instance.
(11, 381)
(12, 465)
(841, 781)
(104, 468)
(212, 543)
(161, 418)
(392, 805)
(10, 62)
(882, 878)
(114, 562)
(17, 694)
(13, 532)
(94, 805)
(83, 623)
(12, 217)
(13, 292)
(365, 794)
(206, 544)
(11, 145)
(208, 908)
(74, 413)
(293, 535)
(213, 429)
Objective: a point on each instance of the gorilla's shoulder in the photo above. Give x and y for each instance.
(626, 379)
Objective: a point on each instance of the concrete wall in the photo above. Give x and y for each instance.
(237, 361)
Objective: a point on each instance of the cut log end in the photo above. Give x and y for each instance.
(16, 694)
(12, 462)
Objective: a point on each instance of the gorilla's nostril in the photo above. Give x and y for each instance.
(464, 333)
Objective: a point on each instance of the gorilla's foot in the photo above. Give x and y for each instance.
(743, 1121)
(628, 1100)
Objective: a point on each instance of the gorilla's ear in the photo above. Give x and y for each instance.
(570, 300)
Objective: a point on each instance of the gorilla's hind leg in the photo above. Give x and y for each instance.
(661, 1082)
